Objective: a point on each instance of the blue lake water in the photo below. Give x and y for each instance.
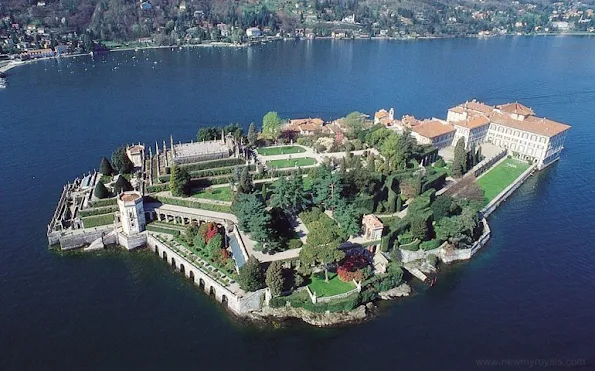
(528, 296)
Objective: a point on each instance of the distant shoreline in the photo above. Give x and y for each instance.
(13, 64)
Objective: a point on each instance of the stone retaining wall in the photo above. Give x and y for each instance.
(240, 305)
(80, 238)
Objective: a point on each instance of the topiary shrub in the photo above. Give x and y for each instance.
(122, 185)
(101, 191)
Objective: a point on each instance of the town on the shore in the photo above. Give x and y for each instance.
(309, 218)
(31, 30)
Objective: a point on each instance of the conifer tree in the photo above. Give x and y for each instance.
(459, 164)
(122, 185)
(250, 275)
(179, 181)
(252, 135)
(105, 167)
(274, 278)
(100, 191)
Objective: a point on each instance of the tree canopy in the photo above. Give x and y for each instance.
(101, 191)
(271, 126)
(122, 185)
(105, 167)
(121, 162)
(459, 164)
(179, 181)
(250, 275)
(252, 134)
(274, 278)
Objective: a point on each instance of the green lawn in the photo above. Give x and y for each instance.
(333, 287)
(282, 164)
(500, 177)
(219, 194)
(97, 220)
(285, 150)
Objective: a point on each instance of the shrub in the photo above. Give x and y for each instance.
(98, 210)
(213, 164)
(405, 238)
(432, 260)
(105, 167)
(122, 185)
(294, 244)
(440, 163)
(430, 245)
(101, 191)
(352, 268)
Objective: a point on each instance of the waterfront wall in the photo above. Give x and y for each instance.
(449, 255)
(79, 238)
(408, 256)
(239, 305)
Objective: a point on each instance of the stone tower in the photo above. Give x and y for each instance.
(132, 212)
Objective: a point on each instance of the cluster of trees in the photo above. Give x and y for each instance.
(464, 160)
(214, 132)
(209, 238)
(121, 165)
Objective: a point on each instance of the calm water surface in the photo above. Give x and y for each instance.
(529, 295)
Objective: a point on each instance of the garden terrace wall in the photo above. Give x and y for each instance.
(193, 203)
(213, 164)
(239, 303)
(450, 255)
(98, 210)
(502, 196)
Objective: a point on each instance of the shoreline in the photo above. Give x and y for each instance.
(13, 64)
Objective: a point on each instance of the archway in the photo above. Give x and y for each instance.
(173, 262)
(224, 301)
(164, 256)
(157, 250)
(201, 283)
(182, 269)
(191, 275)
(212, 291)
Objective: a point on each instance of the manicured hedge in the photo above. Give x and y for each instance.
(97, 220)
(213, 164)
(413, 246)
(158, 229)
(98, 210)
(158, 188)
(435, 181)
(190, 202)
(105, 202)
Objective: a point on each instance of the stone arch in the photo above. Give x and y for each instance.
(224, 300)
(173, 262)
(201, 283)
(212, 291)
(191, 275)
(164, 256)
(182, 269)
(157, 250)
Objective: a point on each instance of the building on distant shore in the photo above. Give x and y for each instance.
(37, 53)
(253, 32)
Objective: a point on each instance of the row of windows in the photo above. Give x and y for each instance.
(517, 133)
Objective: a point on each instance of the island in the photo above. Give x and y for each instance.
(308, 218)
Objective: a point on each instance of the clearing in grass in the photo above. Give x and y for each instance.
(334, 286)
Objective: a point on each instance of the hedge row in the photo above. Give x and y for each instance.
(97, 220)
(158, 188)
(210, 172)
(98, 210)
(213, 164)
(154, 228)
(187, 202)
(105, 202)
(435, 181)
(339, 305)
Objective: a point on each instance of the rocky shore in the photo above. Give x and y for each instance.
(328, 319)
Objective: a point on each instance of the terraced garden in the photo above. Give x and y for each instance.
(285, 150)
(282, 164)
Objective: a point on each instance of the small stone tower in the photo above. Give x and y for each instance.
(132, 212)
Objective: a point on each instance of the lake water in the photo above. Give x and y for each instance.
(529, 295)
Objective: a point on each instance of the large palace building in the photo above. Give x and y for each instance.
(512, 126)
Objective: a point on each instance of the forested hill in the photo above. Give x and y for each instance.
(179, 21)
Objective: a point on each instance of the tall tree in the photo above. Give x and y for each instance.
(354, 122)
(322, 246)
(101, 191)
(245, 184)
(326, 186)
(105, 167)
(250, 275)
(459, 164)
(348, 217)
(122, 185)
(121, 161)
(274, 278)
(252, 134)
(179, 181)
(271, 126)
(253, 217)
